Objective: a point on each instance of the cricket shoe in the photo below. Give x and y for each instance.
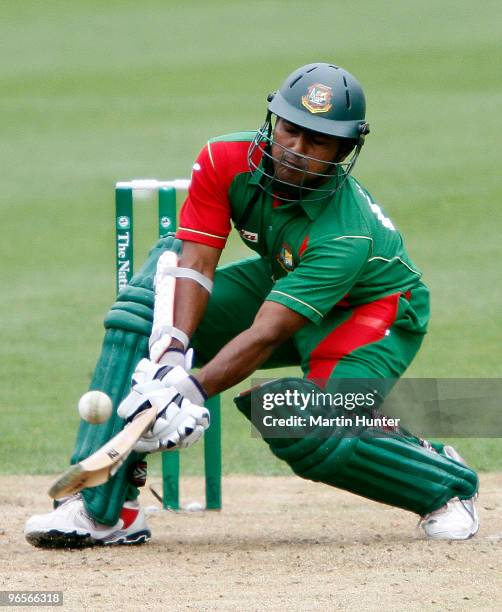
(71, 526)
(457, 519)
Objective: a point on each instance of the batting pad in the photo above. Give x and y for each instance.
(383, 466)
(128, 325)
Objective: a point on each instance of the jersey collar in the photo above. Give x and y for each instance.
(312, 207)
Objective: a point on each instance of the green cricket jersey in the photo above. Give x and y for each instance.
(343, 251)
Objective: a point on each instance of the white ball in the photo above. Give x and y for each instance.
(95, 407)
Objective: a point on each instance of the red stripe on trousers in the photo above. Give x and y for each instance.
(368, 323)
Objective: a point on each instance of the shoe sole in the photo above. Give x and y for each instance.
(452, 539)
(140, 537)
(59, 539)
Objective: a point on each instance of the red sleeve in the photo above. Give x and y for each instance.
(205, 214)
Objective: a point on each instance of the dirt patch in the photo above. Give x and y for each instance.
(279, 544)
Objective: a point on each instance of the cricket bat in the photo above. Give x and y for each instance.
(165, 285)
(99, 467)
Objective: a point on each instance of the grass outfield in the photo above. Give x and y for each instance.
(95, 92)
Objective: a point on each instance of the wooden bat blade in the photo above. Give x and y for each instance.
(101, 465)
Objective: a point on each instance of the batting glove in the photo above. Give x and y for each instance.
(179, 422)
(177, 357)
(148, 374)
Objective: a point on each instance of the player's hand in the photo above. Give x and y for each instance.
(161, 351)
(154, 384)
(177, 357)
(179, 422)
(146, 379)
(148, 374)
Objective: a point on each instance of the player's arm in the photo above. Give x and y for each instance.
(204, 227)
(273, 325)
(203, 259)
(304, 295)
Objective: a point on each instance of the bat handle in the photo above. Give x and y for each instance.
(163, 312)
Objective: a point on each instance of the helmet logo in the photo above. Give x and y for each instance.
(318, 98)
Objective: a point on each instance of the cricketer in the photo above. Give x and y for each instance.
(330, 288)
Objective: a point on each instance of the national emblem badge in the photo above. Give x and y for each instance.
(285, 258)
(318, 98)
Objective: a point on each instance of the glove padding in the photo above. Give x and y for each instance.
(177, 357)
(181, 417)
(179, 422)
(149, 372)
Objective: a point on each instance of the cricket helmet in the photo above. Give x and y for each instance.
(321, 98)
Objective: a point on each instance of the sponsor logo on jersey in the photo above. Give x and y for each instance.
(250, 236)
(285, 258)
(318, 98)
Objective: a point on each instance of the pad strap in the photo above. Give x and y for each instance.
(203, 280)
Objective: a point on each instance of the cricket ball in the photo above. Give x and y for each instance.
(95, 407)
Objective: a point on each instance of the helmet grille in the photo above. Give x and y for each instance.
(264, 166)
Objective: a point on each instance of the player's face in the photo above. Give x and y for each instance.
(292, 149)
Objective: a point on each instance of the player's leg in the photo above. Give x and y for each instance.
(128, 326)
(377, 340)
(239, 290)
